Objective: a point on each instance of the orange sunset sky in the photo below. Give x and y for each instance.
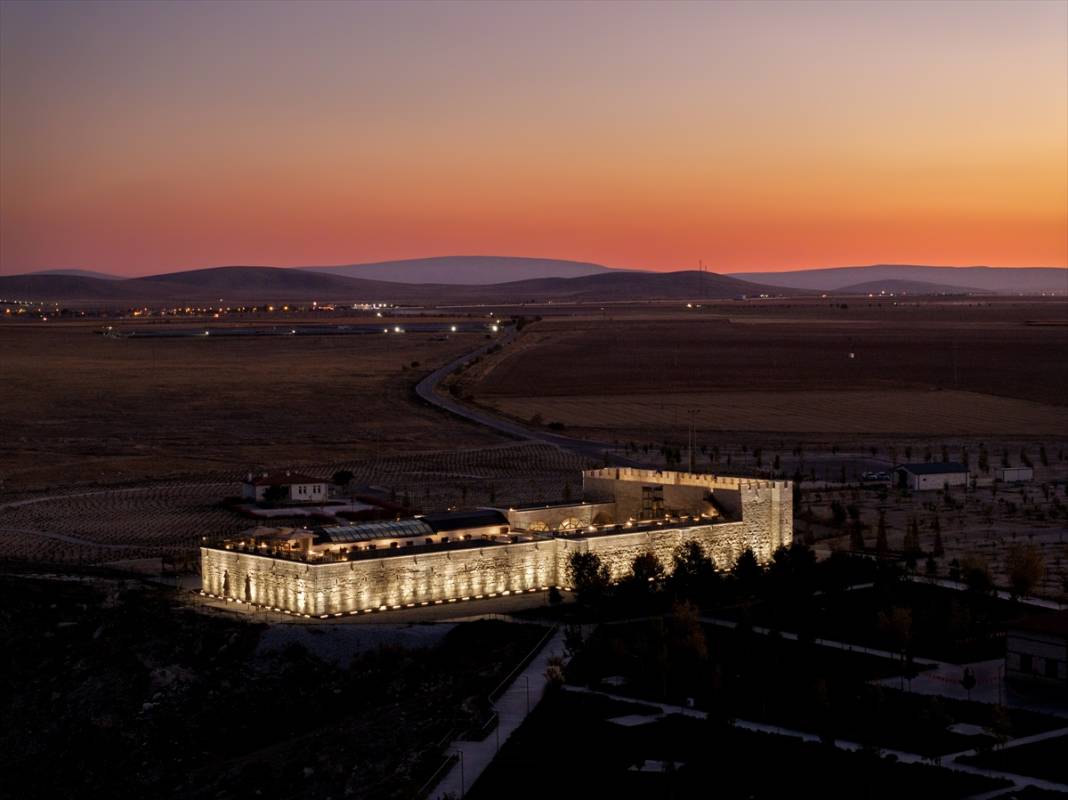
(148, 137)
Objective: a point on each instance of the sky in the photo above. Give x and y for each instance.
(138, 138)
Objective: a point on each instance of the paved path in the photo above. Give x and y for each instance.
(847, 646)
(427, 390)
(512, 708)
(1038, 602)
(936, 677)
(903, 756)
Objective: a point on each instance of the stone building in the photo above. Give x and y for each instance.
(439, 558)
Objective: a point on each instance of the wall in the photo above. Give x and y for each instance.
(465, 572)
(553, 516)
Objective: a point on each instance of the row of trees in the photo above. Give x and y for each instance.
(791, 575)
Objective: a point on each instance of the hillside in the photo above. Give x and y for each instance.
(465, 270)
(252, 284)
(907, 287)
(232, 284)
(83, 273)
(1003, 280)
(623, 285)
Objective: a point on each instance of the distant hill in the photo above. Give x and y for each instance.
(465, 270)
(907, 287)
(259, 284)
(81, 273)
(233, 284)
(625, 285)
(1002, 280)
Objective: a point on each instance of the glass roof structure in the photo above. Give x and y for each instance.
(387, 529)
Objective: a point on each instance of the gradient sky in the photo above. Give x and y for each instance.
(145, 137)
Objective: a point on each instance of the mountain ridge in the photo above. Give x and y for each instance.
(1005, 280)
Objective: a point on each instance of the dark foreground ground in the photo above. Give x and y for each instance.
(109, 688)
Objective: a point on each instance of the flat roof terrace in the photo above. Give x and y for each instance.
(331, 557)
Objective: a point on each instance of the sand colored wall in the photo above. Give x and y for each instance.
(465, 572)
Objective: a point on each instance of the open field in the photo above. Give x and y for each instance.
(80, 408)
(912, 411)
(112, 525)
(999, 369)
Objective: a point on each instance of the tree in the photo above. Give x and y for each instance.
(968, 681)
(937, 549)
(838, 514)
(1026, 567)
(856, 535)
(911, 543)
(645, 573)
(342, 477)
(975, 572)
(881, 545)
(747, 571)
(694, 573)
(587, 575)
(897, 626)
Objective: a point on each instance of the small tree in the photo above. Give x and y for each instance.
(646, 570)
(587, 575)
(747, 571)
(1026, 567)
(342, 477)
(975, 572)
(968, 681)
(881, 545)
(937, 549)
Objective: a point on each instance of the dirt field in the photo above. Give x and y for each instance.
(916, 412)
(80, 408)
(929, 369)
(118, 525)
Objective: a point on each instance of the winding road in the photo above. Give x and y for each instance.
(427, 390)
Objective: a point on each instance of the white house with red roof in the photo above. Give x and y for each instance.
(301, 488)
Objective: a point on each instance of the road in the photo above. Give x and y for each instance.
(427, 390)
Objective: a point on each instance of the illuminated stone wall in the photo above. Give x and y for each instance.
(470, 572)
(764, 507)
(553, 516)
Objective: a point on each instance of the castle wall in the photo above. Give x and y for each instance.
(553, 516)
(765, 508)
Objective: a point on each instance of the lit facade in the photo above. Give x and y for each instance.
(440, 558)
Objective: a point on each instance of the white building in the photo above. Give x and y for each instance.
(299, 488)
(1014, 474)
(935, 475)
(1036, 650)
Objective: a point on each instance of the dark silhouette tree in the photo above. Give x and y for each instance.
(748, 572)
(1026, 567)
(588, 576)
(881, 545)
(342, 477)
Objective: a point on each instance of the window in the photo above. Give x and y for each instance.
(1025, 662)
(429, 540)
